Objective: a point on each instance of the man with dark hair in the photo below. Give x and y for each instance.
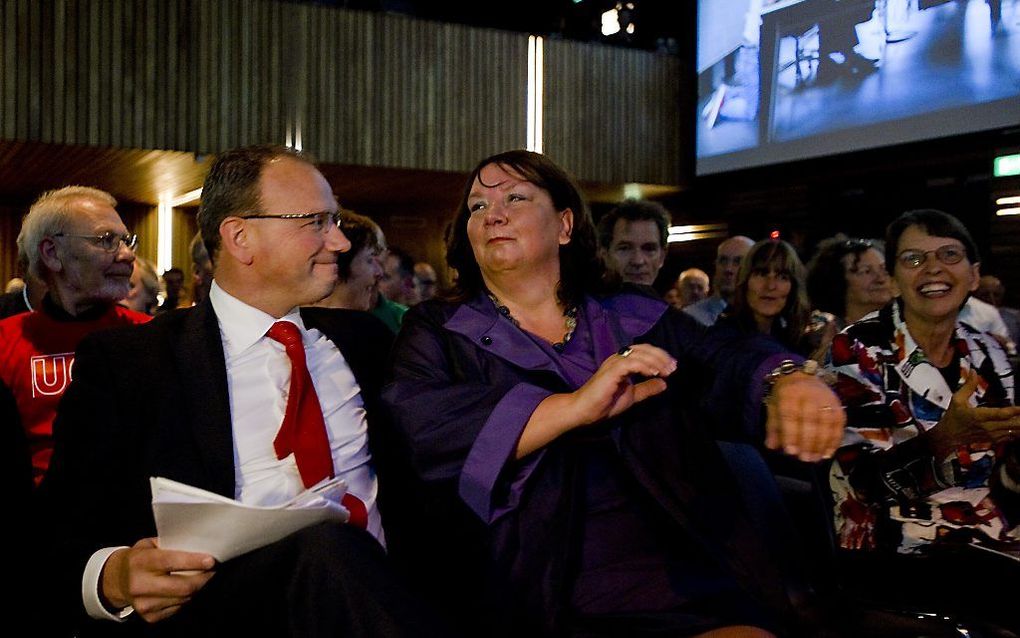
(425, 280)
(632, 240)
(244, 396)
(75, 242)
(398, 277)
(173, 282)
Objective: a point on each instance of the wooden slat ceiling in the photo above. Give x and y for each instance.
(143, 176)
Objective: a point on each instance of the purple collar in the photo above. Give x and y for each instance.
(612, 321)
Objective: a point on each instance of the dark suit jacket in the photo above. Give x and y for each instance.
(150, 401)
(519, 567)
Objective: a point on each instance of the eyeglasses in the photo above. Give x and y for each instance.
(108, 241)
(948, 255)
(320, 221)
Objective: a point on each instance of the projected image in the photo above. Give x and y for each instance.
(780, 80)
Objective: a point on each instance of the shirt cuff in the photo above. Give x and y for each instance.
(90, 588)
(495, 445)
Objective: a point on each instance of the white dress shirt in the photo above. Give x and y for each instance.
(258, 381)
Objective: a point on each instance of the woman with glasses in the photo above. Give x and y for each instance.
(929, 462)
(847, 278)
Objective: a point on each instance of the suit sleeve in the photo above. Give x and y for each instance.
(729, 370)
(85, 502)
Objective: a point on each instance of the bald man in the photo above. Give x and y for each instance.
(727, 263)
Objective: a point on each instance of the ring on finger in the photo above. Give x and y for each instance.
(625, 351)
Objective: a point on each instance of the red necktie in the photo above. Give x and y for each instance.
(303, 431)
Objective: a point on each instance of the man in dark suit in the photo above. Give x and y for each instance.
(198, 396)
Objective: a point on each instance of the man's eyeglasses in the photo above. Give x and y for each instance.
(320, 221)
(108, 241)
(947, 254)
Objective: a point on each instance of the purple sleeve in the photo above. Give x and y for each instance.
(494, 448)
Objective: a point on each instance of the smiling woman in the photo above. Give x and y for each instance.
(770, 294)
(928, 465)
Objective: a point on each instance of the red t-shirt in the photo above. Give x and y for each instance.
(36, 360)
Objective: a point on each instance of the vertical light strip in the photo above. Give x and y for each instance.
(297, 134)
(536, 81)
(530, 96)
(165, 227)
(165, 238)
(539, 92)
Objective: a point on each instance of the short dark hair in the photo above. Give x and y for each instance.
(635, 210)
(360, 231)
(232, 187)
(580, 268)
(936, 223)
(405, 263)
(778, 255)
(826, 273)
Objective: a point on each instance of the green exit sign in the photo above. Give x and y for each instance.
(1006, 165)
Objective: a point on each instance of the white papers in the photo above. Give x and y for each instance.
(192, 519)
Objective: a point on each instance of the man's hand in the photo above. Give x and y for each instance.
(156, 582)
(805, 417)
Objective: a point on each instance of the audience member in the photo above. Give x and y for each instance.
(358, 269)
(201, 270)
(143, 295)
(692, 286)
(386, 310)
(565, 491)
(198, 396)
(928, 467)
(398, 277)
(76, 243)
(991, 290)
(984, 317)
(632, 240)
(173, 284)
(770, 295)
(724, 281)
(425, 280)
(28, 297)
(847, 278)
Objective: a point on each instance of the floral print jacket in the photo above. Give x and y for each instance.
(889, 490)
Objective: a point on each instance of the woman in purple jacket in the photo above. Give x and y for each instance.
(565, 488)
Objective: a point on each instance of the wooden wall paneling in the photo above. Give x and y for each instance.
(10, 225)
(7, 69)
(362, 88)
(610, 113)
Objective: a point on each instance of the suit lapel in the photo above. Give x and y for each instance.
(203, 370)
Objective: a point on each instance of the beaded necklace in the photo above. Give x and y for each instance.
(569, 320)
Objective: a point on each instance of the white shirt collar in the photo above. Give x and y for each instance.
(242, 325)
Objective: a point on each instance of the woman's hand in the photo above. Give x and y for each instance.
(610, 391)
(964, 424)
(805, 418)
